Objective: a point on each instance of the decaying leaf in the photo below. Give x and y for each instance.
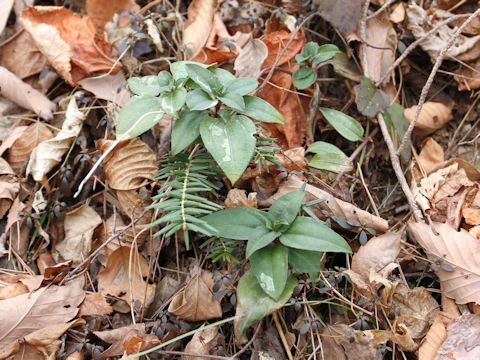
(361, 348)
(94, 304)
(68, 41)
(345, 15)
(201, 343)
(433, 116)
(24, 95)
(79, 225)
(249, 62)
(102, 11)
(9, 187)
(195, 302)
(431, 155)
(462, 342)
(238, 197)
(112, 88)
(123, 277)
(199, 25)
(468, 77)
(458, 249)
(435, 337)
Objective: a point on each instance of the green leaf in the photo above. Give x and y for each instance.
(179, 70)
(165, 80)
(204, 78)
(398, 125)
(223, 75)
(370, 100)
(237, 223)
(186, 129)
(242, 86)
(346, 126)
(200, 100)
(286, 208)
(310, 50)
(304, 261)
(324, 53)
(304, 77)
(261, 110)
(329, 157)
(145, 85)
(133, 110)
(270, 266)
(259, 238)
(254, 304)
(171, 102)
(235, 101)
(308, 234)
(231, 144)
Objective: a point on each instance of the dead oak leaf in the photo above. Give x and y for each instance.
(199, 25)
(94, 304)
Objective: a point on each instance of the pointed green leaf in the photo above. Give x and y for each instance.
(308, 234)
(237, 223)
(324, 53)
(286, 208)
(304, 77)
(165, 80)
(254, 304)
(171, 102)
(261, 110)
(133, 110)
(270, 266)
(144, 85)
(235, 101)
(204, 78)
(231, 144)
(223, 75)
(186, 129)
(346, 126)
(259, 238)
(304, 261)
(179, 70)
(242, 86)
(200, 100)
(329, 157)
(370, 100)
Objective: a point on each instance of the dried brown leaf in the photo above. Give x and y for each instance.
(112, 88)
(102, 11)
(238, 197)
(195, 302)
(10, 137)
(431, 155)
(361, 348)
(433, 116)
(398, 13)
(435, 337)
(94, 304)
(468, 77)
(458, 249)
(201, 343)
(199, 25)
(345, 15)
(9, 187)
(24, 95)
(5, 13)
(462, 342)
(249, 62)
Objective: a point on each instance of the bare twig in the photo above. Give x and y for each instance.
(381, 9)
(282, 336)
(363, 37)
(426, 88)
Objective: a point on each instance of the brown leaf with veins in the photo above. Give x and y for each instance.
(435, 337)
(68, 41)
(201, 343)
(195, 303)
(249, 62)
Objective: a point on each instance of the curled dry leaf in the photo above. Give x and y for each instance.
(22, 148)
(50, 152)
(398, 12)
(195, 303)
(9, 187)
(5, 13)
(459, 250)
(468, 77)
(94, 304)
(123, 278)
(201, 343)
(435, 336)
(68, 41)
(238, 197)
(433, 116)
(10, 137)
(431, 155)
(199, 25)
(360, 349)
(462, 342)
(24, 95)
(26, 313)
(79, 225)
(249, 62)
(112, 88)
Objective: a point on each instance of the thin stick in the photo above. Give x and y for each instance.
(363, 36)
(429, 82)
(282, 336)
(384, 6)
(359, 168)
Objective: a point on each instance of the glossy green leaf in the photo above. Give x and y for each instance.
(259, 238)
(308, 234)
(304, 77)
(179, 71)
(235, 101)
(254, 304)
(165, 80)
(370, 100)
(237, 223)
(171, 102)
(223, 75)
(398, 125)
(242, 86)
(285, 209)
(186, 129)
(324, 53)
(346, 126)
(270, 266)
(304, 261)
(144, 85)
(133, 110)
(329, 157)
(200, 100)
(261, 110)
(204, 78)
(231, 144)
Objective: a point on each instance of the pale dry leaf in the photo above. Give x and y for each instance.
(458, 249)
(420, 22)
(118, 337)
(112, 88)
(195, 302)
(468, 77)
(397, 15)
(131, 165)
(435, 337)
(238, 198)
(10, 137)
(133, 203)
(403, 340)
(331, 204)
(117, 279)
(154, 34)
(433, 116)
(9, 187)
(24, 95)
(376, 254)
(359, 349)
(22, 148)
(79, 225)
(27, 313)
(463, 340)
(5, 13)
(431, 155)
(94, 304)
(12, 290)
(135, 344)
(50, 152)
(199, 25)
(102, 11)
(249, 62)
(201, 343)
